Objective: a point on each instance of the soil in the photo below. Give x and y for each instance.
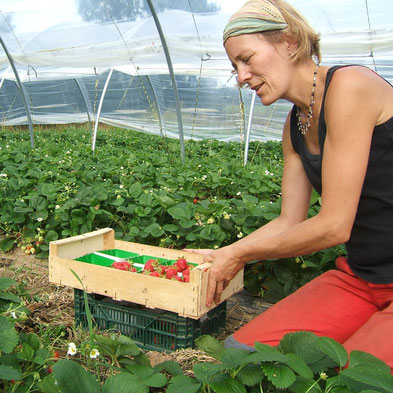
(53, 305)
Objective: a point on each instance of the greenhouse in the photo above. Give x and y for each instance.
(165, 226)
(161, 70)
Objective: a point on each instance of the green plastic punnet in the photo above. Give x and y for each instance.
(107, 257)
(120, 253)
(142, 259)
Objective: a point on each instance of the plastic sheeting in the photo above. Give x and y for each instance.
(64, 68)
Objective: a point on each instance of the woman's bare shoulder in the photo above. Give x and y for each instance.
(364, 88)
(358, 76)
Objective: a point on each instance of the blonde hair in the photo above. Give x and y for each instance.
(300, 30)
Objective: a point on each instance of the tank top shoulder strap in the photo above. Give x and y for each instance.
(295, 134)
(322, 124)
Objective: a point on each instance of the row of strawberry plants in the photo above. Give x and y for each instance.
(302, 362)
(137, 184)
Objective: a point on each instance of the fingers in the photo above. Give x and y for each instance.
(219, 291)
(215, 290)
(211, 289)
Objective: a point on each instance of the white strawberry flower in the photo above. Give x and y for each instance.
(94, 353)
(72, 349)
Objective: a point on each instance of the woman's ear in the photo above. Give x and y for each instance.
(291, 43)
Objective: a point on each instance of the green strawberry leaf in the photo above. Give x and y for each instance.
(6, 282)
(333, 350)
(223, 383)
(183, 384)
(7, 373)
(8, 335)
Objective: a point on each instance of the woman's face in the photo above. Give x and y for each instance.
(263, 65)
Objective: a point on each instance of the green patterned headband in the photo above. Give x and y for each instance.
(254, 16)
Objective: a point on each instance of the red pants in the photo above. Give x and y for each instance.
(336, 304)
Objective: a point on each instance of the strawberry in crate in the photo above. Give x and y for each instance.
(123, 265)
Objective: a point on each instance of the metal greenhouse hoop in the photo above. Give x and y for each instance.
(173, 79)
(21, 89)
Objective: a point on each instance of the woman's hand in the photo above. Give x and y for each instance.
(224, 268)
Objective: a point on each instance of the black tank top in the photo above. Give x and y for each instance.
(370, 247)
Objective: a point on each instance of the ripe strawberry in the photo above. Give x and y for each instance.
(161, 269)
(121, 265)
(150, 265)
(178, 278)
(341, 262)
(186, 276)
(56, 354)
(134, 269)
(50, 370)
(181, 263)
(171, 273)
(154, 274)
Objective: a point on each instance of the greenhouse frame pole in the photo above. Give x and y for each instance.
(21, 89)
(250, 114)
(3, 78)
(172, 74)
(156, 100)
(85, 101)
(99, 108)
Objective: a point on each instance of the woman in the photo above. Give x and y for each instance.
(338, 138)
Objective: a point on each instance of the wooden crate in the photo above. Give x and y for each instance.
(185, 299)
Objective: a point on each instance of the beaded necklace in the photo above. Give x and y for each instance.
(304, 127)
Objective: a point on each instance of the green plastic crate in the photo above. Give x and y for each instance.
(151, 329)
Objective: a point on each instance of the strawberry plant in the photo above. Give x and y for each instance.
(24, 359)
(302, 363)
(61, 189)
